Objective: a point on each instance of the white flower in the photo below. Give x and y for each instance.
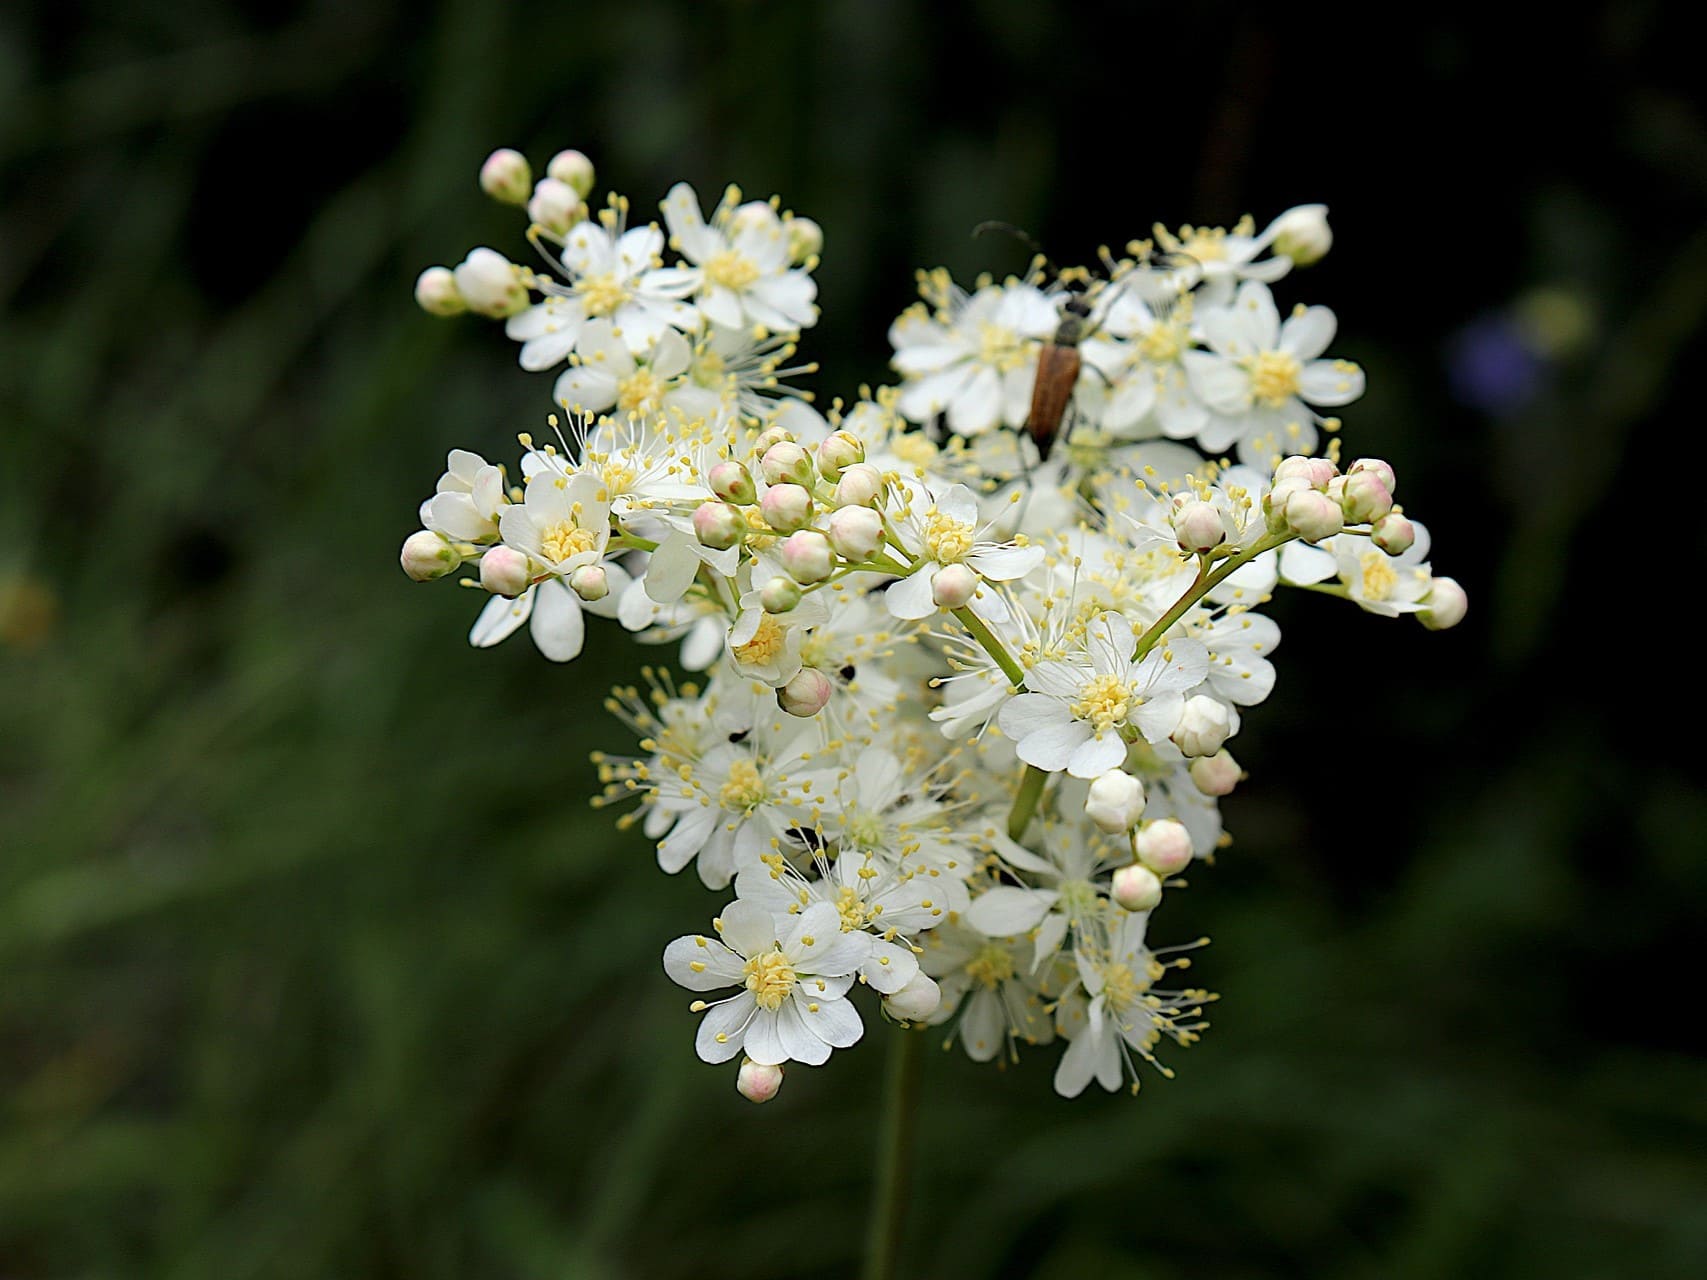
(975, 357)
(742, 273)
(794, 974)
(990, 985)
(605, 373)
(1073, 715)
(468, 497)
(943, 529)
(1260, 376)
(563, 523)
(554, 613)
(1139, 353)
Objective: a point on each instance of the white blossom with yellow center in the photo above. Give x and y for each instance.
(563, 523)
(943, 528)
(792, 974)
(741, 270)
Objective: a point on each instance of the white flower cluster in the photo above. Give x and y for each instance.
(960, 708)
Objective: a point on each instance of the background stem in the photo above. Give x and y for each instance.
(888, 1219)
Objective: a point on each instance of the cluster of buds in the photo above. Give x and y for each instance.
(956, 721)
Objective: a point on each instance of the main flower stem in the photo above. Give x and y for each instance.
(994, 647)
(1025, 801)
(1205, 583)
(894, 1157)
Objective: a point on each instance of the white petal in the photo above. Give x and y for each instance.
(1307, 334)
(795, 1038)
(1050, 749)
(718, 966)
(835, 1022)
(1005, 911)
(748, 928)
(910, 598)
(1094, 758)
(558, 629)
(723, 1019)
(499, 619)
(983, 1029)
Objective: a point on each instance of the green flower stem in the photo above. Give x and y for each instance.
(992, 646)
(886, 1226)
(1205, 583)
(1025, 801)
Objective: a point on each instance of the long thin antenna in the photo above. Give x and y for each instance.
(1018, 233)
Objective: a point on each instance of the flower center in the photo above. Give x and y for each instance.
(853, 910)
(865, 830)
(1078, 898)
(914, 449)
(1378, 576)
(999, 346)
(601, 294)
(567, 539)
(708, 370)
(640, 390)
(745, 789)
(1206, 244)
(1162, 344)
(1105, 703)
(1274, 377)
(766, 643)
(731, 269)
(1119, 984)
(770, 978)
(947, 540)
(991, 966)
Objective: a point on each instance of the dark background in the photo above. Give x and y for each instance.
(313, 960)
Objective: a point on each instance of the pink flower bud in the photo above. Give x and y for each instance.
(1115, 802)
(506, 177)
(769, 436)
(787, 463)
(808, 557)
(1444, 606)
(1136, 888)
(1216, 775)
(555, 206)
(807, 694)
(733, 483)
(590, 582)
(861, 485)
(426, 556)
(1313, 516)
(787, 507)
(1364, 497)
(1393, 534)
(837, 452)
(953, 586)
(491, 284)
(504, 571)
(856, 533)
(779, 595)
(1203, 726)
(916, 1001)
(718, 525)
(1198, 526)
(1165, 846)
(1315, 472)
(1381, 471)
(437, 294)
(1275, 500)
(756, 1082)
(572, 169)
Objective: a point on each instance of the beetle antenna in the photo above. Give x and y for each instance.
(1018, 233)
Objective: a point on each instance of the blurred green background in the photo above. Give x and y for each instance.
(314, 961)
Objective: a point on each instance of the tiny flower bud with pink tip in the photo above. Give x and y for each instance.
(856, 533)
(718, 525)
(1216, 775)
(437, 294)
(733, 483)
(426, 555)
(1315, 472)
(504, 571)
(1379, 469)
(1135, 887)
(1204, 724)
(1115, 802)
(916, 1001)
(555, 206)
(787, 507)
(837, 452)
(1198, 526)
(590, 582)
(861, 485)
(1164, 846)
(953, 586)
(1444, 606)
(1364, 497)
(779, 595)
(807, 694)
(788, 463)
(1314, 516)
(572, 169)
(808, 556)
(491, 284)
(757, 1082)
(1393, 534)
(506, 177)
(769, 436)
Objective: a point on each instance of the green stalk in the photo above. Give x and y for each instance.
(991, 644)
(1025, 801)
(887, 1224)
(1205, 583)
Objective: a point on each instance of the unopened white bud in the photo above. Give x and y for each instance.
(1275, 500)
(504, 571)
(1198, 527)
(1314, 516)
(1135, 887)
(917, 1000)
(1165, 846)
(805, 239)
(807, 694)
(772, 434)
(1444, 606)
(861, 485)
(754, 215)
(572, 169)
(808, 557)
(1203, 726)
(1393, 534)
(838, 451)
(779, 595)
(787, 463)
(506, 177)
(856, 532)
(787, 507)
(733, 483)
(755, 1081)
(1315, 472)
(491, 284)
(590, 582)
(1216, 775)
(718, 525)
(436, 292)
(1115, 802)
(555, 206)
(1364, 498)
(426, 555)
(954, 585)
(1302, 233)
(1382, 471)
